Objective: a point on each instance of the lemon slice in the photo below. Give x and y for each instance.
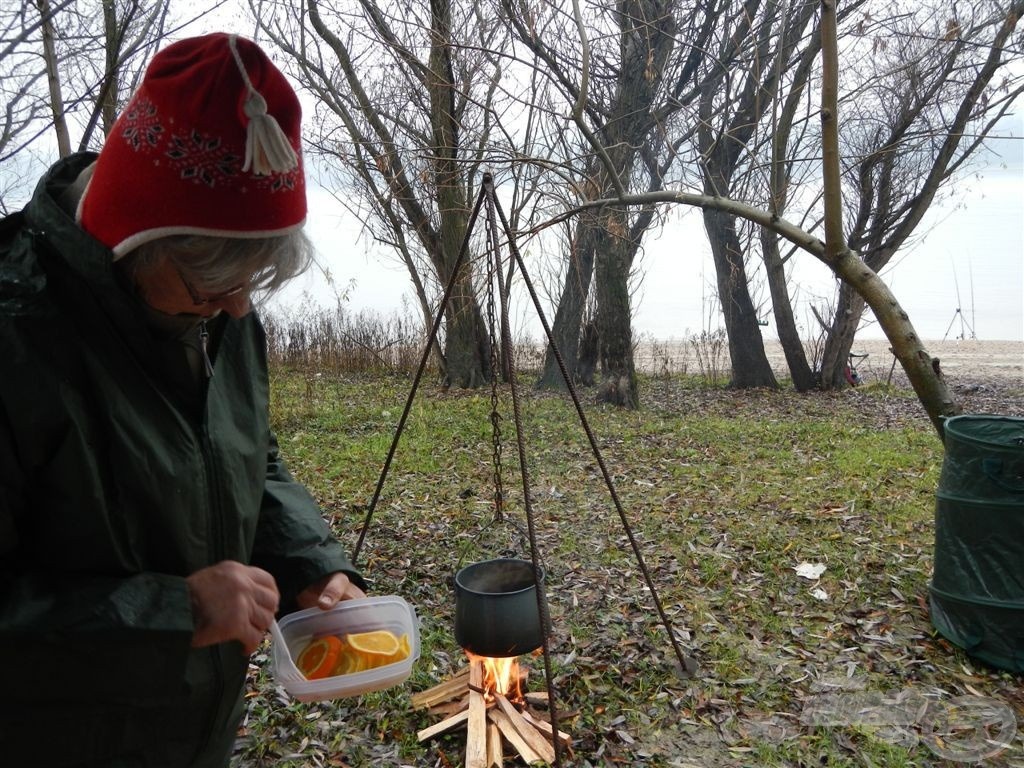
(403, 650)
(375, 644)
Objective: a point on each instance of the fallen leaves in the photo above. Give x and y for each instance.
(746, 504)
(811, 571)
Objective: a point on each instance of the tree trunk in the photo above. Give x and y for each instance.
(782, 307)
(647, 36)
(467, 349)
(750, 366)
(467, 346)
(921, 368)
(60, 125)
(569, 316)
(110, 87)
(839, 342)
(800, 371)
(614, 331)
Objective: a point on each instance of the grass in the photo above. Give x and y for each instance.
(727, 493)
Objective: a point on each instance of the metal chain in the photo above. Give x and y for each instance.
(490, 206)
(493, 271)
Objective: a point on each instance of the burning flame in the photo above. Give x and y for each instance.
(501, 676)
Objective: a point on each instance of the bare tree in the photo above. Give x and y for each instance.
(907, 69)
(936, 86)
(733, 107)
(65, 69)
(60, 125)
(622, 77)
(21, 80)
(405, 104)
(762, 75)
(786, 171)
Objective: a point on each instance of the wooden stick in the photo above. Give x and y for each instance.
(536, 740)
(449, 689)
(476, 725)
(446, 708)
(445, 725)
(509, 731)
(538, 698)
(495, 753)
(544, 726)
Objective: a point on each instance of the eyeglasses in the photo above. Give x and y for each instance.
(211, 298)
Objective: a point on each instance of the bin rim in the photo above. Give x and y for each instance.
(950, 427)
(1013, 504)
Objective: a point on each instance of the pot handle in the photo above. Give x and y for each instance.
(524, 542)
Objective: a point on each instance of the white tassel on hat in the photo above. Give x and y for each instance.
(267, 149)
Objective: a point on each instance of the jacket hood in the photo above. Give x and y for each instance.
(46, 217)
(47, 260)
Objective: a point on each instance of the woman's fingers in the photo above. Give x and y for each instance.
(232, 601)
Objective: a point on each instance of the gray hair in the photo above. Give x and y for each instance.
(219, 263)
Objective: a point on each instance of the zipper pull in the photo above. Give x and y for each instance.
(204, 343)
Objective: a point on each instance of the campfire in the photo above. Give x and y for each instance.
(487, 699)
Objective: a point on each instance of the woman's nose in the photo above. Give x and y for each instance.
(236, 306)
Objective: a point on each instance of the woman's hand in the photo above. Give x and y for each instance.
(232, 601)
(327, 592)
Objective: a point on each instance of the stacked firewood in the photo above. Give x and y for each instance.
(491, 720)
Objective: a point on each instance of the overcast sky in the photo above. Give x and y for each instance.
(969, 256)
(963, 276)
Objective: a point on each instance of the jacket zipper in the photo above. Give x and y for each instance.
(204, 348)
(215, 522)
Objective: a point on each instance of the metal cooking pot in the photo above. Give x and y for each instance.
(496, 608)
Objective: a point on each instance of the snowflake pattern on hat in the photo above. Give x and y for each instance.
(199, 158)
(142, 128)
(280, 182)
(202, 159)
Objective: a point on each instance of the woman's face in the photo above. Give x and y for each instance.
(166, 289)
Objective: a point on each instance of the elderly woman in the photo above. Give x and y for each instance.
(149, 531)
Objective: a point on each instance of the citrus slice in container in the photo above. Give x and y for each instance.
(373, 645)
(349, 662)
(403, 651)
(346, 662)
(319, 658)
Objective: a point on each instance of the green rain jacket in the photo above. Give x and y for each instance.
(114, 487)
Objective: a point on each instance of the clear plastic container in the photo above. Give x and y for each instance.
(298, 629)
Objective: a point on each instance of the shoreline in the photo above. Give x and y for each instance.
(961, 359)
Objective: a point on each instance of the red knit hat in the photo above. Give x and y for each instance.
(208, 145)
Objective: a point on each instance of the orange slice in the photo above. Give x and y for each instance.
(319, 658)
(373, 644)
(403, 651)
(348, 662)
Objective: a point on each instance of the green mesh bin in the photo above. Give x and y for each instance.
(977, 589)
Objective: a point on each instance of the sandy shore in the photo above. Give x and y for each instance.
(968, 360)
(972, 359)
